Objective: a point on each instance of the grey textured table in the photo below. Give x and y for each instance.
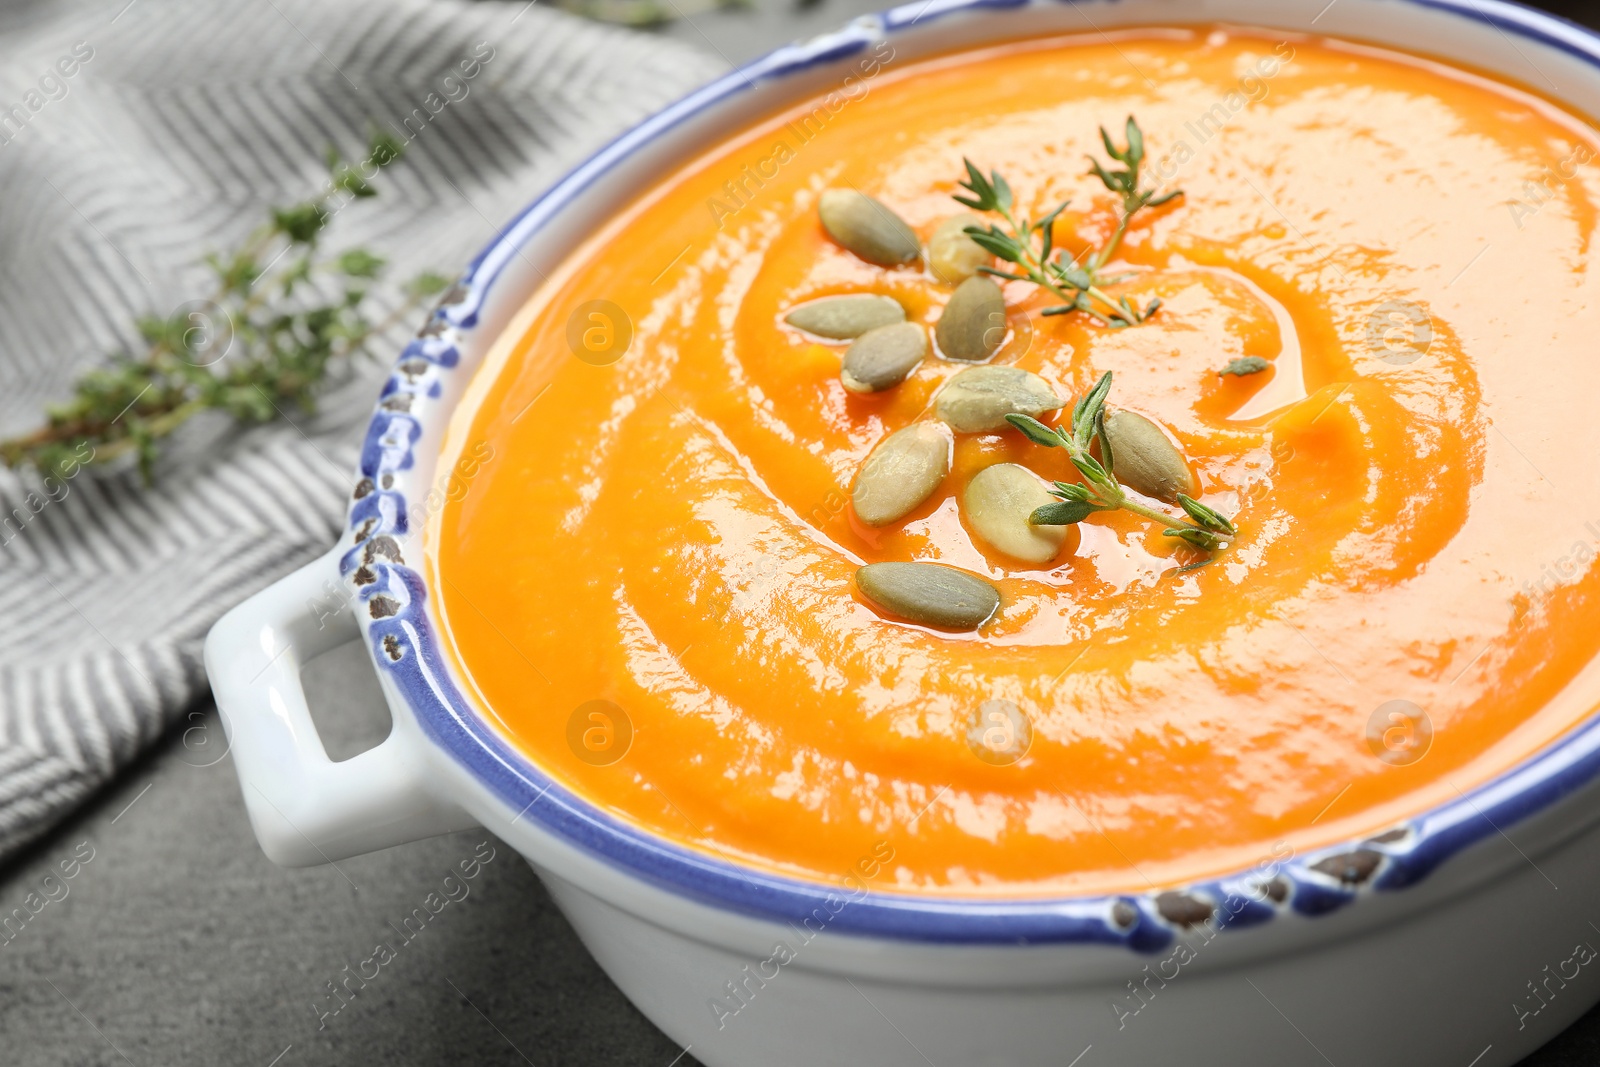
(179, 943)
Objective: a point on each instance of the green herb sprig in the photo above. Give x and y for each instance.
(1030, 245)
(280, 315)
(1099, 490)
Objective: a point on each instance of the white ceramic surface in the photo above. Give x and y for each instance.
(1448, 970)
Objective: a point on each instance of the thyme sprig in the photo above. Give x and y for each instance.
(1078, 281)
(280, 315)
(1100, 491)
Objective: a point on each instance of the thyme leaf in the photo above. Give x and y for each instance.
(1244, 365)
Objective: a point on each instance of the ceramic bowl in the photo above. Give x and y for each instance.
(1460, 937)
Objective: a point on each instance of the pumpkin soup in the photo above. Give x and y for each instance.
(1277, 528)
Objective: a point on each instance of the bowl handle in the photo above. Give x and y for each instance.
(305, 808)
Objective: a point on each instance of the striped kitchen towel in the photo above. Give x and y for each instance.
(137, 136)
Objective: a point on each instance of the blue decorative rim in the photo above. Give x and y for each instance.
(405, 642)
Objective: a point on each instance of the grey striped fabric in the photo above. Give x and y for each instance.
(133, 138)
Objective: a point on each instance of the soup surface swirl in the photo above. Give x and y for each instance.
(1413, 478)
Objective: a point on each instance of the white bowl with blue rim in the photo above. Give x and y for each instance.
(1460, 937)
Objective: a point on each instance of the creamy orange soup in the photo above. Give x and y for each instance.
(1413, 478)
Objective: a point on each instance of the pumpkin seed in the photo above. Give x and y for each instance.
(882, 358)
(902, 472)
(843, 318)
(952, 255)
(929, 593)
(1142, 458)
(997, 503)
(973, 325)
(867, 227)
(978, 399)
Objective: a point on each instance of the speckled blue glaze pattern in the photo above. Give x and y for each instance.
(404, 641)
